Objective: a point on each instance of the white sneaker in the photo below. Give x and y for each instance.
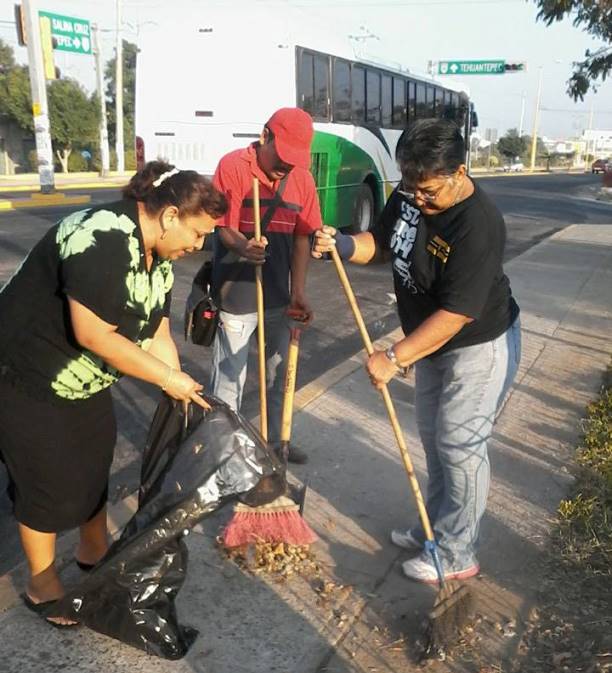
(406, 540)
(424, 571)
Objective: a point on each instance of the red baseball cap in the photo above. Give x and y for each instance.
(292, 129)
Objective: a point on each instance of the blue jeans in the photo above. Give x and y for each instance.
(230, 355)
(458, 395)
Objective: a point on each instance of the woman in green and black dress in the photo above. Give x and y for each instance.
(89, 303)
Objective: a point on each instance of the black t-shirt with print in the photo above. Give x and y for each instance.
(97, 257)
(450, 261)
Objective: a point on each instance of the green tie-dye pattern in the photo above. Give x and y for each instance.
(75, 234)
(146, 292)
(84, 377)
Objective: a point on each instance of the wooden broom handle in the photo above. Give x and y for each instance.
(290, 378)
(261, 335)
(397, 430)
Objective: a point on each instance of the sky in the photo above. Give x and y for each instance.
(411, 32)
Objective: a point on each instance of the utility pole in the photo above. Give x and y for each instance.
(588, 141)
(520, 133)
(40, 108)
(534, 138)
(119, 94)
(104, 150)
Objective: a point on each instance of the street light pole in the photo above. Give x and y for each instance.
(119, 94)
(520, 133)
(40, 107)
(104, 151)
(534, 137)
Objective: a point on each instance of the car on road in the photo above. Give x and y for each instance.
(514, 167)
(601, 166)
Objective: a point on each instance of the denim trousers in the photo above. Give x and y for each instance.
(458, 396)
(230, 356)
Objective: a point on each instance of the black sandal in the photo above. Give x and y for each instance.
(41, 608)
(85, 567)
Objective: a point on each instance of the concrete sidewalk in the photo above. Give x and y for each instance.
(358, 492)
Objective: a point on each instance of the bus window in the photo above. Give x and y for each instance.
(372, 97)
(411, 98)
(386, 100)
(306, 83)
(321, 87)
(342, 91)
(439, 102)
(421, 101)
(399, 103)
(449, 108)
(431, 102)
(358, 94)
(452, 105)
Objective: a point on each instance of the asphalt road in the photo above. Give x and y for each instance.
(534, 207)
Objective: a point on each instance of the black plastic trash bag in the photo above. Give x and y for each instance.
(192, 465)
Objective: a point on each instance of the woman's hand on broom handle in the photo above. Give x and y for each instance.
(324, 240)
(180, 386)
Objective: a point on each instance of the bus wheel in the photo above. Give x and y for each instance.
(363, 214)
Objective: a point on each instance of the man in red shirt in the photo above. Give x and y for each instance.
(280, 160)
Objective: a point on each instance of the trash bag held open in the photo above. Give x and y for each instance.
(194, 463)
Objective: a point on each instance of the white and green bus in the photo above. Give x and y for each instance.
(206, 86)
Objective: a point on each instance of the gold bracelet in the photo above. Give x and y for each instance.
(167, 383)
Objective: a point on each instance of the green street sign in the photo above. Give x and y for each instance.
(471, 67)
(69, 34)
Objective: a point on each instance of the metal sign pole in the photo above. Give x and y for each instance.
(40, 108)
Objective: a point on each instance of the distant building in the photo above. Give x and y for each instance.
(571, 152)
(599, 142)
(15, 145)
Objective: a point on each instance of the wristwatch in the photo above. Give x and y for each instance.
(390, 353)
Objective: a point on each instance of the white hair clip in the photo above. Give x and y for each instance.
(165, 176)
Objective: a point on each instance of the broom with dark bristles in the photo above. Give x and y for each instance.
(453, 605)
(280, 520)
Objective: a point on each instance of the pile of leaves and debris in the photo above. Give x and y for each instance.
(571, 630)
(281, 560)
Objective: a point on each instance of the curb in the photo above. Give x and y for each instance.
(525, 174)
(38, 200)
(69, 186)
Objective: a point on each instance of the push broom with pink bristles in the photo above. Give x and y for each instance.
(281, 520)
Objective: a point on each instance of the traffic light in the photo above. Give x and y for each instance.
(515, 67)
(22, 37)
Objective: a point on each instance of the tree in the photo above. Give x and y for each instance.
(7, 58)
(73, 116)
(512, 145)
(15, 96)
(595, 16)
(130, 51)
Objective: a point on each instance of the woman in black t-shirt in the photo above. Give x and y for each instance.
(89, 303)
(445, 239)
